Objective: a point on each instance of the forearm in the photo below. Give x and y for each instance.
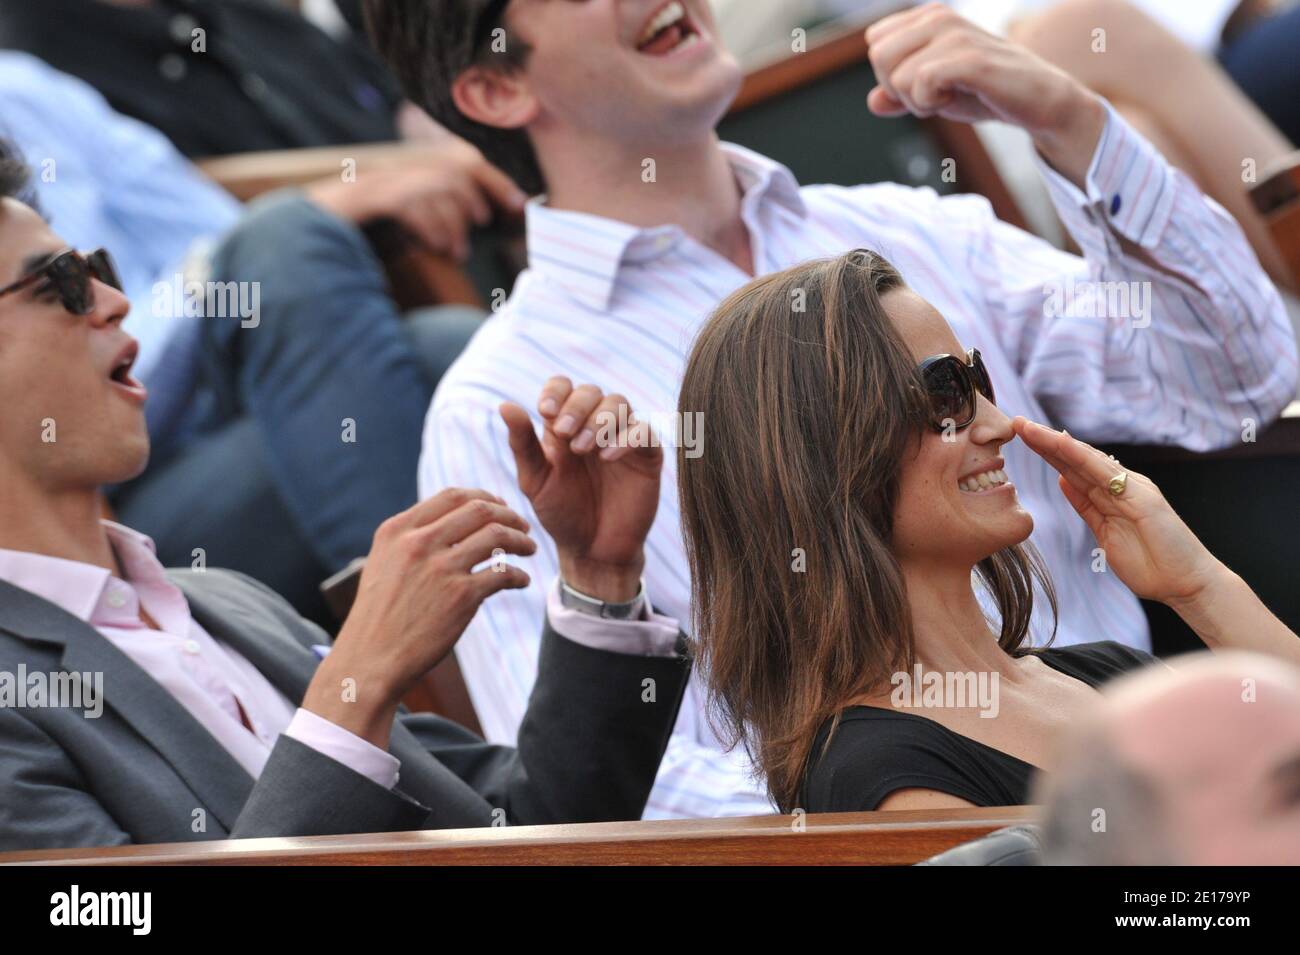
(1069, 149)
(1227, 615)
(1173, 293)
(354, 695)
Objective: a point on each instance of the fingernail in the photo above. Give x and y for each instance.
(584, 441)
(566, 424)
(549, 406)
(607, 454)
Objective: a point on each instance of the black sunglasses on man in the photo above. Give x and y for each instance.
(69, 273)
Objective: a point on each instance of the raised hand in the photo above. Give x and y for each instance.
(593, 481)
(417, 594)
(929, 61)
(1144, 541)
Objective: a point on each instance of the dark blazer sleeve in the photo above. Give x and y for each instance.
(302, 792)
(590, 743)
(593, 735)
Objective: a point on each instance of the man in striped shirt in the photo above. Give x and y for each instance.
(1166, 329)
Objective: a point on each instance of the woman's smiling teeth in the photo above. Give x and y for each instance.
(983, 481)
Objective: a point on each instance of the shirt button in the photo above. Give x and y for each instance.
(191, 647)
(115, 599)
(918, 168)
(172, 67)
(254, 86)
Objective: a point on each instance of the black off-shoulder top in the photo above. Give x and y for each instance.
(877, 751)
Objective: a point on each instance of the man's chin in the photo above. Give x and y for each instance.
(130, 465)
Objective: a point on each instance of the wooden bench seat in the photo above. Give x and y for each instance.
(864, 838)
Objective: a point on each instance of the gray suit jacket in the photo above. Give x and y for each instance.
(146, 771)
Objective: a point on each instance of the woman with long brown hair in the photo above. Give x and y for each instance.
(850, 506)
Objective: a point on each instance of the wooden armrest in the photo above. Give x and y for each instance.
(861, 838)
(1277, 197)
(248, 175)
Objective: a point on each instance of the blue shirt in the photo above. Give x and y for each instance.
(103, 179)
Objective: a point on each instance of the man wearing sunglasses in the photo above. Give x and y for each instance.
(248, 415)
(68, 274)
(143, 705)
(648, 222)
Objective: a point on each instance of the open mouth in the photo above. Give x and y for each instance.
(668, 31)
(120, 374)
(984, 481)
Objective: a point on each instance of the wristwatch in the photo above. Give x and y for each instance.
(577, 600)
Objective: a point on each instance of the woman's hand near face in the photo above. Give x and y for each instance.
(1154, 552)
(593, 481)
(418, 593)
(1144, 541)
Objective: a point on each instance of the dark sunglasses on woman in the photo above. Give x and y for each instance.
(952, 385)
(69, 273)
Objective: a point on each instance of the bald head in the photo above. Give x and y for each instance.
(1197, 764)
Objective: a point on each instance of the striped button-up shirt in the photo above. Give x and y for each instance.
(1165, 331)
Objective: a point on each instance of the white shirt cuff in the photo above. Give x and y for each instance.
(652, 636)
(1129, 185)
(330, 739)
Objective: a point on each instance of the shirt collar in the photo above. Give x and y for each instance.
(583, 253)
(75, 586)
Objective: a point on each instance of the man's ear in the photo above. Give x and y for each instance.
(495, 98)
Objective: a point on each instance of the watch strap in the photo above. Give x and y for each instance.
(632, 609)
